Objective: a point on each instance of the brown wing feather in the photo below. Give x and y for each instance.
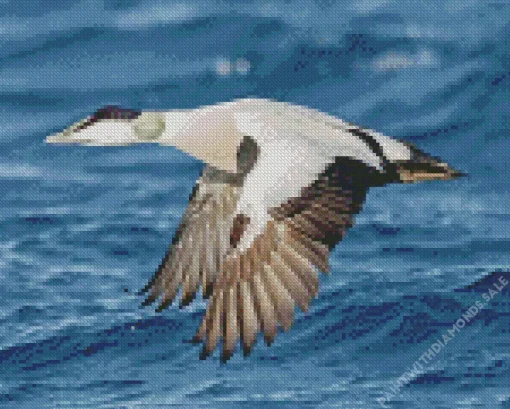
(201, 241)
(203, 236)
(263, 284)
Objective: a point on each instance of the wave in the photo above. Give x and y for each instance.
(337, 331)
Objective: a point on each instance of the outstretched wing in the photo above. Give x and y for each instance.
(258, 287)
(203, 237)
(201, 241)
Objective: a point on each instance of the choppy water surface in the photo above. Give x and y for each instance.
(82, 228)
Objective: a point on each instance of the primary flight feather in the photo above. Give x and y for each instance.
(281, 186)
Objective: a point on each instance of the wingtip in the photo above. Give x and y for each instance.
(147, 286)
(225, 356)
(247, 350)
(227, 352)
(164, 305)
(269, 339)
(151, 298)
(195, 340)
(186, 300)
(204, 354)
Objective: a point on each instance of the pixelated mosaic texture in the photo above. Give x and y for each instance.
(414, 312)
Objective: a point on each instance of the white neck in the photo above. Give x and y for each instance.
(176, 122)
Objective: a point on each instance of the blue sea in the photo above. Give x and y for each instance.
(82, 229)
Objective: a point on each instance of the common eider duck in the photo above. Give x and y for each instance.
(279, 190)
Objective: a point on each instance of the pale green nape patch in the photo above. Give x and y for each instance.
(149, 126)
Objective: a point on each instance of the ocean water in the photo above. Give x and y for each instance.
(82, 228)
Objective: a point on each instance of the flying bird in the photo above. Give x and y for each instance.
(280, 188)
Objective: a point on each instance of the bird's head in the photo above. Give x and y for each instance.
(208, 134)
(112, 125)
